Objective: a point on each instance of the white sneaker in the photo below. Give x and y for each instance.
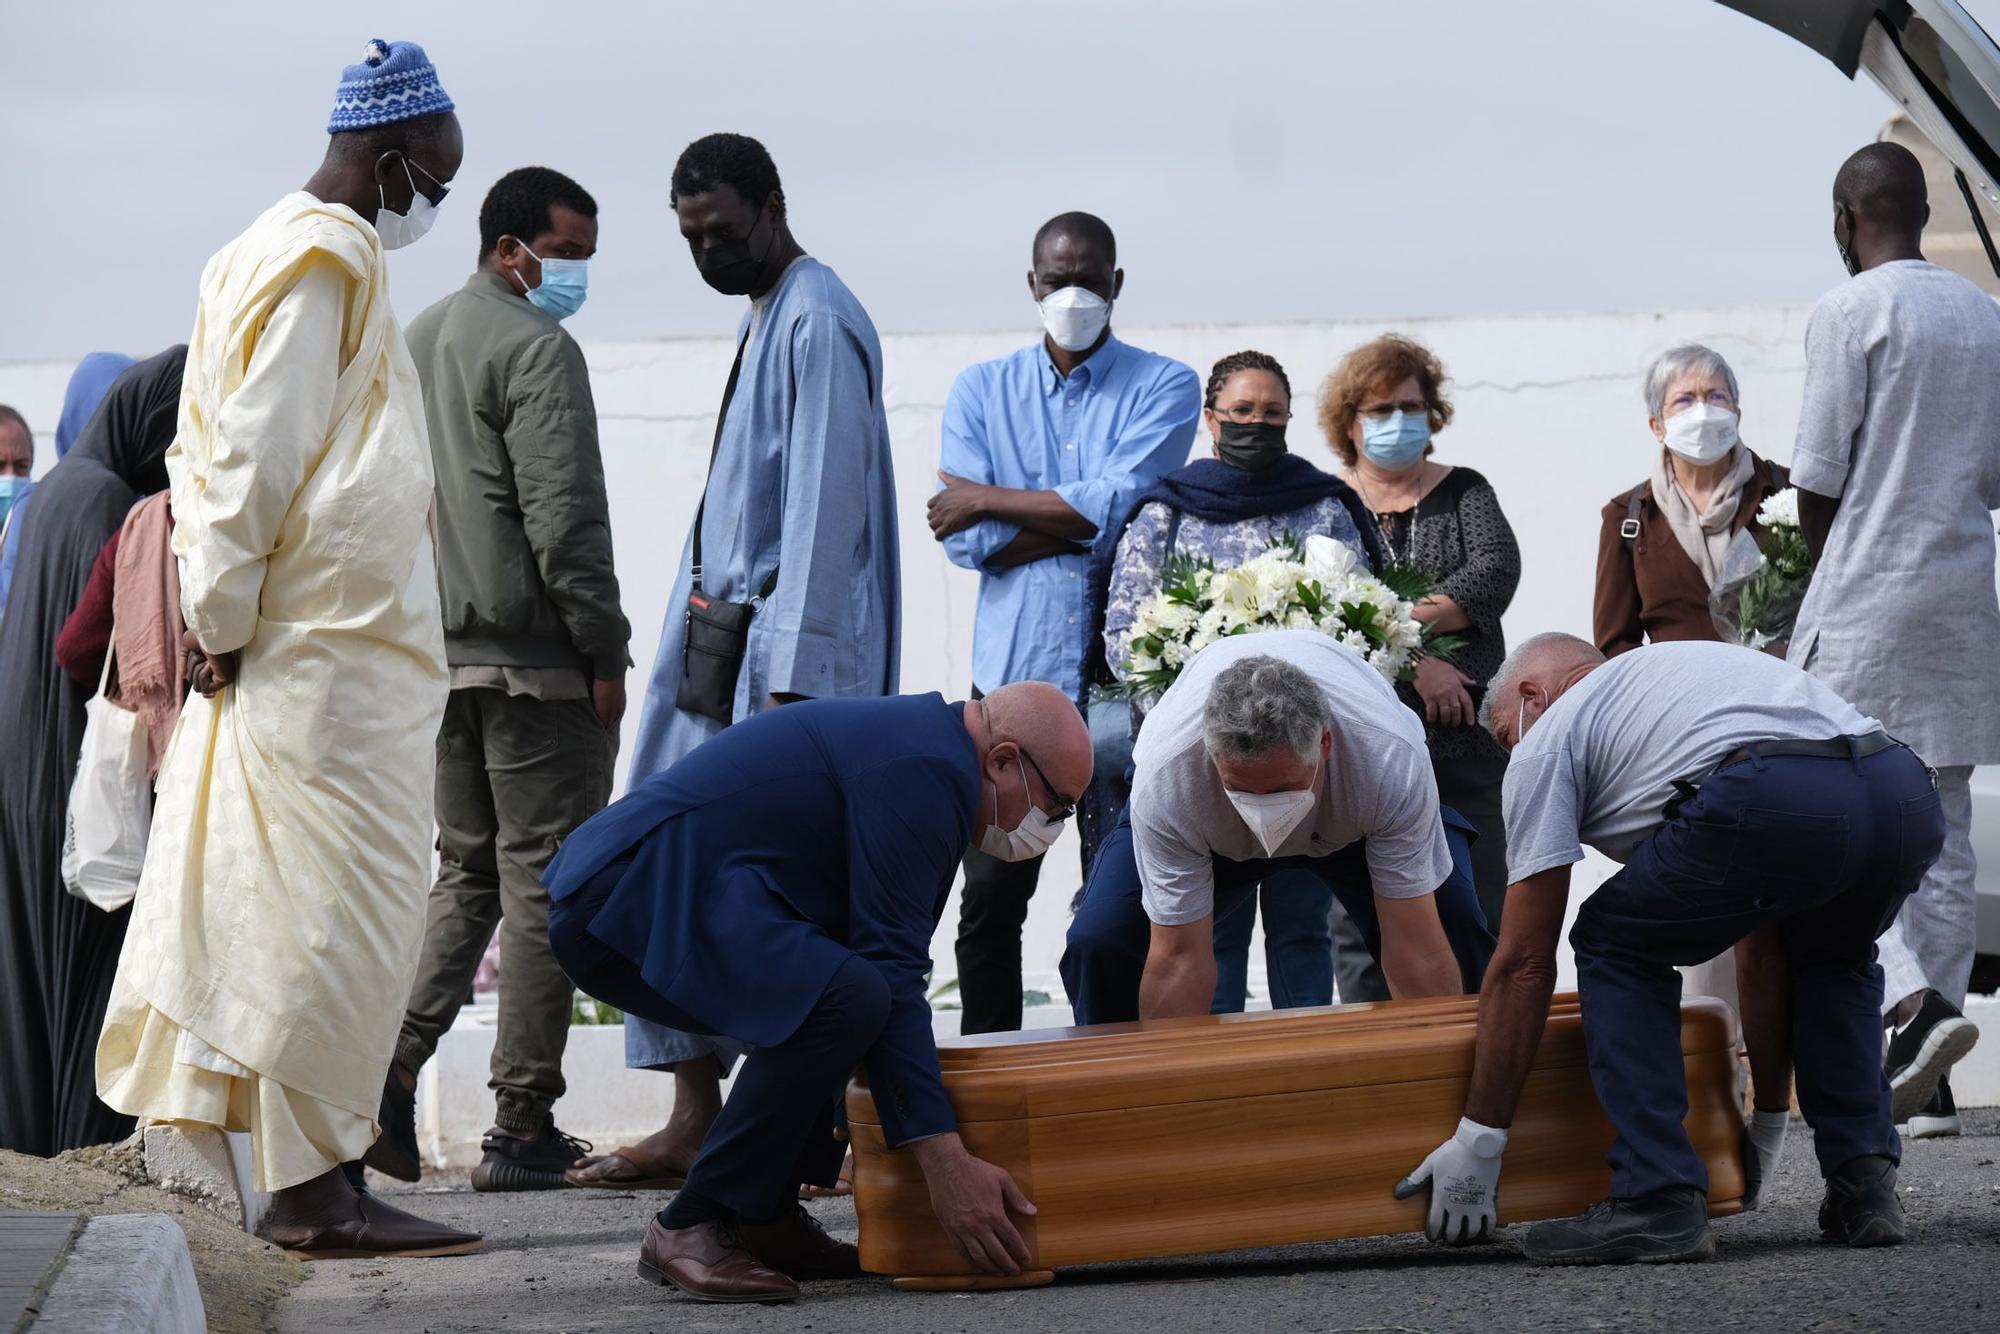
(1938, 1118)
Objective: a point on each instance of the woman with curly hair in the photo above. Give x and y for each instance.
(1380, 409)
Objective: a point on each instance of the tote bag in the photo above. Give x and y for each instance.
(110, 804)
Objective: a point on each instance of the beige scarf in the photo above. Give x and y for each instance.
(146, 620)
(1704, 536)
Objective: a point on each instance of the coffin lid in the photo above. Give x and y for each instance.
(1065, 1071)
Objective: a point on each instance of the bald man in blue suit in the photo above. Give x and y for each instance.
(780, 885)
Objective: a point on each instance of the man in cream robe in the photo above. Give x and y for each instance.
(277, 923)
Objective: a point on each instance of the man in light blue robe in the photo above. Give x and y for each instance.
(799, 524)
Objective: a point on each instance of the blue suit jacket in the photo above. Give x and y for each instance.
(772, 853)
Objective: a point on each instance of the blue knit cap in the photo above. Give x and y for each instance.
(395, 82)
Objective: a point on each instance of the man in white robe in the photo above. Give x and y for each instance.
(278, 918)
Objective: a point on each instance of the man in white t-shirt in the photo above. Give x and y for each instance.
(1273, 750)
(1744, 798)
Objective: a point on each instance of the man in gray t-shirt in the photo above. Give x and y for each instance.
(1898, 469)
(1273, 750)
(1744, 799)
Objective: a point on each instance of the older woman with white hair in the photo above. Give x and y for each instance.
(1663, 541)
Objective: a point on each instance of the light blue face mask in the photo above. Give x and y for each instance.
(1396, 442)
(12, 488)
(563, 285)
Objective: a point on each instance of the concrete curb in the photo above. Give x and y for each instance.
(125, 1274)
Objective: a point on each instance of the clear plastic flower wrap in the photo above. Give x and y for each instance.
(1759, 589)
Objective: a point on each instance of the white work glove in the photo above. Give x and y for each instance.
(1464, 1177)
(1763, 1145)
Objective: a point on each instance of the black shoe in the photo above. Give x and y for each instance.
(1920, 1055)
(1937, 1118)
(1861, 1207)
(1656, 1228)
(527, 1164)
(394, 1152)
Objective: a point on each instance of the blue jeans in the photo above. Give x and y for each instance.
(1109, 936)
(1298, 947)
(1824, 849)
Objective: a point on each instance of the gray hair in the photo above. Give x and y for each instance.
(1525, 655)
(1675, 362)
(1257, 704)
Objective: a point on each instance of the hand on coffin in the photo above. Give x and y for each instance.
(971, 1198)
(1464, 1176)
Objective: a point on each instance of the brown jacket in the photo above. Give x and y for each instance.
(1647, 588)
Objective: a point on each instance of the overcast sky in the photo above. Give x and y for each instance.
(1287, 160)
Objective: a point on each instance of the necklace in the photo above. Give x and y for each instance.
(1403, 516)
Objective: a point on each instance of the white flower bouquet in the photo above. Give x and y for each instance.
(1319, 584)
(1759, 589)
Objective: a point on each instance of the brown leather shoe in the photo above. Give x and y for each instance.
(376, 1231)
(707, 1261)
(798, 1247)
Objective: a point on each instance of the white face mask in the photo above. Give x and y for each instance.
(1702, 433)
(1025, 841)
(400, 229)
(1272, 816)
(1074, 317)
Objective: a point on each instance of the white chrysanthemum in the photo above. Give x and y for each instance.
(1298, 618)
(1353, 641)
(1389, 662)
(1176, 618)
(1780, 510)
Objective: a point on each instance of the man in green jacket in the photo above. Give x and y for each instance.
(537, 647)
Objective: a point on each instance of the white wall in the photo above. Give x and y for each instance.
(1548, 408)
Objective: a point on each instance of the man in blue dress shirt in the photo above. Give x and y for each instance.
(780, 886)
(1043, 450)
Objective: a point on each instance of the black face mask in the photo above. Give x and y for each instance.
(1251, 446)
(728, 267)
(1847, 254)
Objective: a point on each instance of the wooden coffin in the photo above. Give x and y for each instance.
(1171, 1137)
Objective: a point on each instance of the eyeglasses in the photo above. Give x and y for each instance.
(1381, 412)
(443, 188)
(1068, 802)
(1718, 398)
(1243, 414)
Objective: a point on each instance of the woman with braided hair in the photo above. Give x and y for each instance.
(1229, 507)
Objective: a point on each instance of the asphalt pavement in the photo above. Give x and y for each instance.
(563, 1261)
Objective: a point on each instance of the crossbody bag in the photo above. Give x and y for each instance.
(716, 634)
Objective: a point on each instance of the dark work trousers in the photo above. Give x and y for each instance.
(1469, 785)
(1110, 934)
(992, 907)
(1298, 950)
(515, 776)
(776, 1129)
(1824, 848)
